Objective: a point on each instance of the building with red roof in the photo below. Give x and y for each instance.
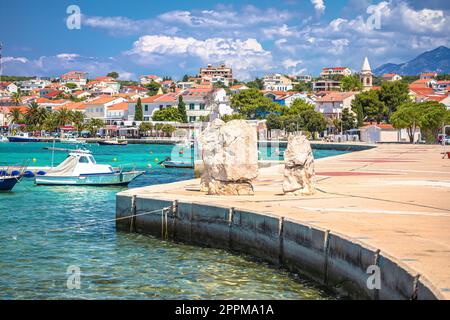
(76, 77)
(332, 104)
(428, 75)
(391, 77)
(98, 108)
(147, 79)
(335, 71)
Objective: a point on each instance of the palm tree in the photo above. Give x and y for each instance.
(30, 114)
(78, 118)
(17, 97)
(35, 116)
(94, 124)
(15, 116)
(51, 122)
(63, 117)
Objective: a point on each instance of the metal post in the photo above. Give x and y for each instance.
(133, 214)
(326, 247)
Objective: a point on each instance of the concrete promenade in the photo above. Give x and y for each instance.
(395, 198)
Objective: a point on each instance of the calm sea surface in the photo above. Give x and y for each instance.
(34, 260)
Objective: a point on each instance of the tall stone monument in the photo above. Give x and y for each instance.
(299, 174)
(230, 158)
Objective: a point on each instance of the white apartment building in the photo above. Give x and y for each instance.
(333, 103)
(303, 78)
(144, 80)
(214, 74)
(151, 104)
(76, 77)
(277, 82)
(9, 87)
(335, 71)
(391, 77)
(200, 102)
(33, 84)
(98, 108)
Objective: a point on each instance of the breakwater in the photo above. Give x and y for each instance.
(331, 259)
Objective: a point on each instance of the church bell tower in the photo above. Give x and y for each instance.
(366, 75)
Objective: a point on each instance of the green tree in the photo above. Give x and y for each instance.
(351, 83)
(64, 117)
(35, 116)
(393, 94)
(51, 122)
(15, 116)
(168, 129)
(274, 121)
(253, 105)
(138, 114)
(94, 125)
(297, 107)
(302, 87)
(167, 114)
(113, 75)
(407, 117)
(185, 78)
(78, 119)
(71, 86)
(182, 109)
(348, 120)
(300, 116)
(434, 116)
(305, 117)
(233, 116)
(153, 88)
(145, 127)
(256, 84)
(368, 106)
(17, 97)
(430, 116)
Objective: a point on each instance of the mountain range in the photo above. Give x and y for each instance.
(437, 60)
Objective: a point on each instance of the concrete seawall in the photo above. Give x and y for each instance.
(328, 258)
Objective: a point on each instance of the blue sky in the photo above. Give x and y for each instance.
(177, 37)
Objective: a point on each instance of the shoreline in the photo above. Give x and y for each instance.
(369, 213)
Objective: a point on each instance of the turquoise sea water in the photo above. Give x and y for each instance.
(34, 259)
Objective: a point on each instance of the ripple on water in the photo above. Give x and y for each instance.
(34, 259)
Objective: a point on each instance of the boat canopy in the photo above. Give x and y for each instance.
(65, 168)
(79, 162)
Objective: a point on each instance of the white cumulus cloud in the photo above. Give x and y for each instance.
(244, 56)
(319, 6)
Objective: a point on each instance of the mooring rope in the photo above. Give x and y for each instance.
(166, 209)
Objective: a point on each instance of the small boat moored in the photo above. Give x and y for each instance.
(168, 163)
(23, 137)
(80, 168)
(73, 141)
(7, 183)
(115, 142)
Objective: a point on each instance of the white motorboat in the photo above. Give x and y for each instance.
(80, 168)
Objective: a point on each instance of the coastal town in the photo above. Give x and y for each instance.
(348, 105)
(219, 157)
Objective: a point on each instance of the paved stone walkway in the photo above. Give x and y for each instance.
(394, 197)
